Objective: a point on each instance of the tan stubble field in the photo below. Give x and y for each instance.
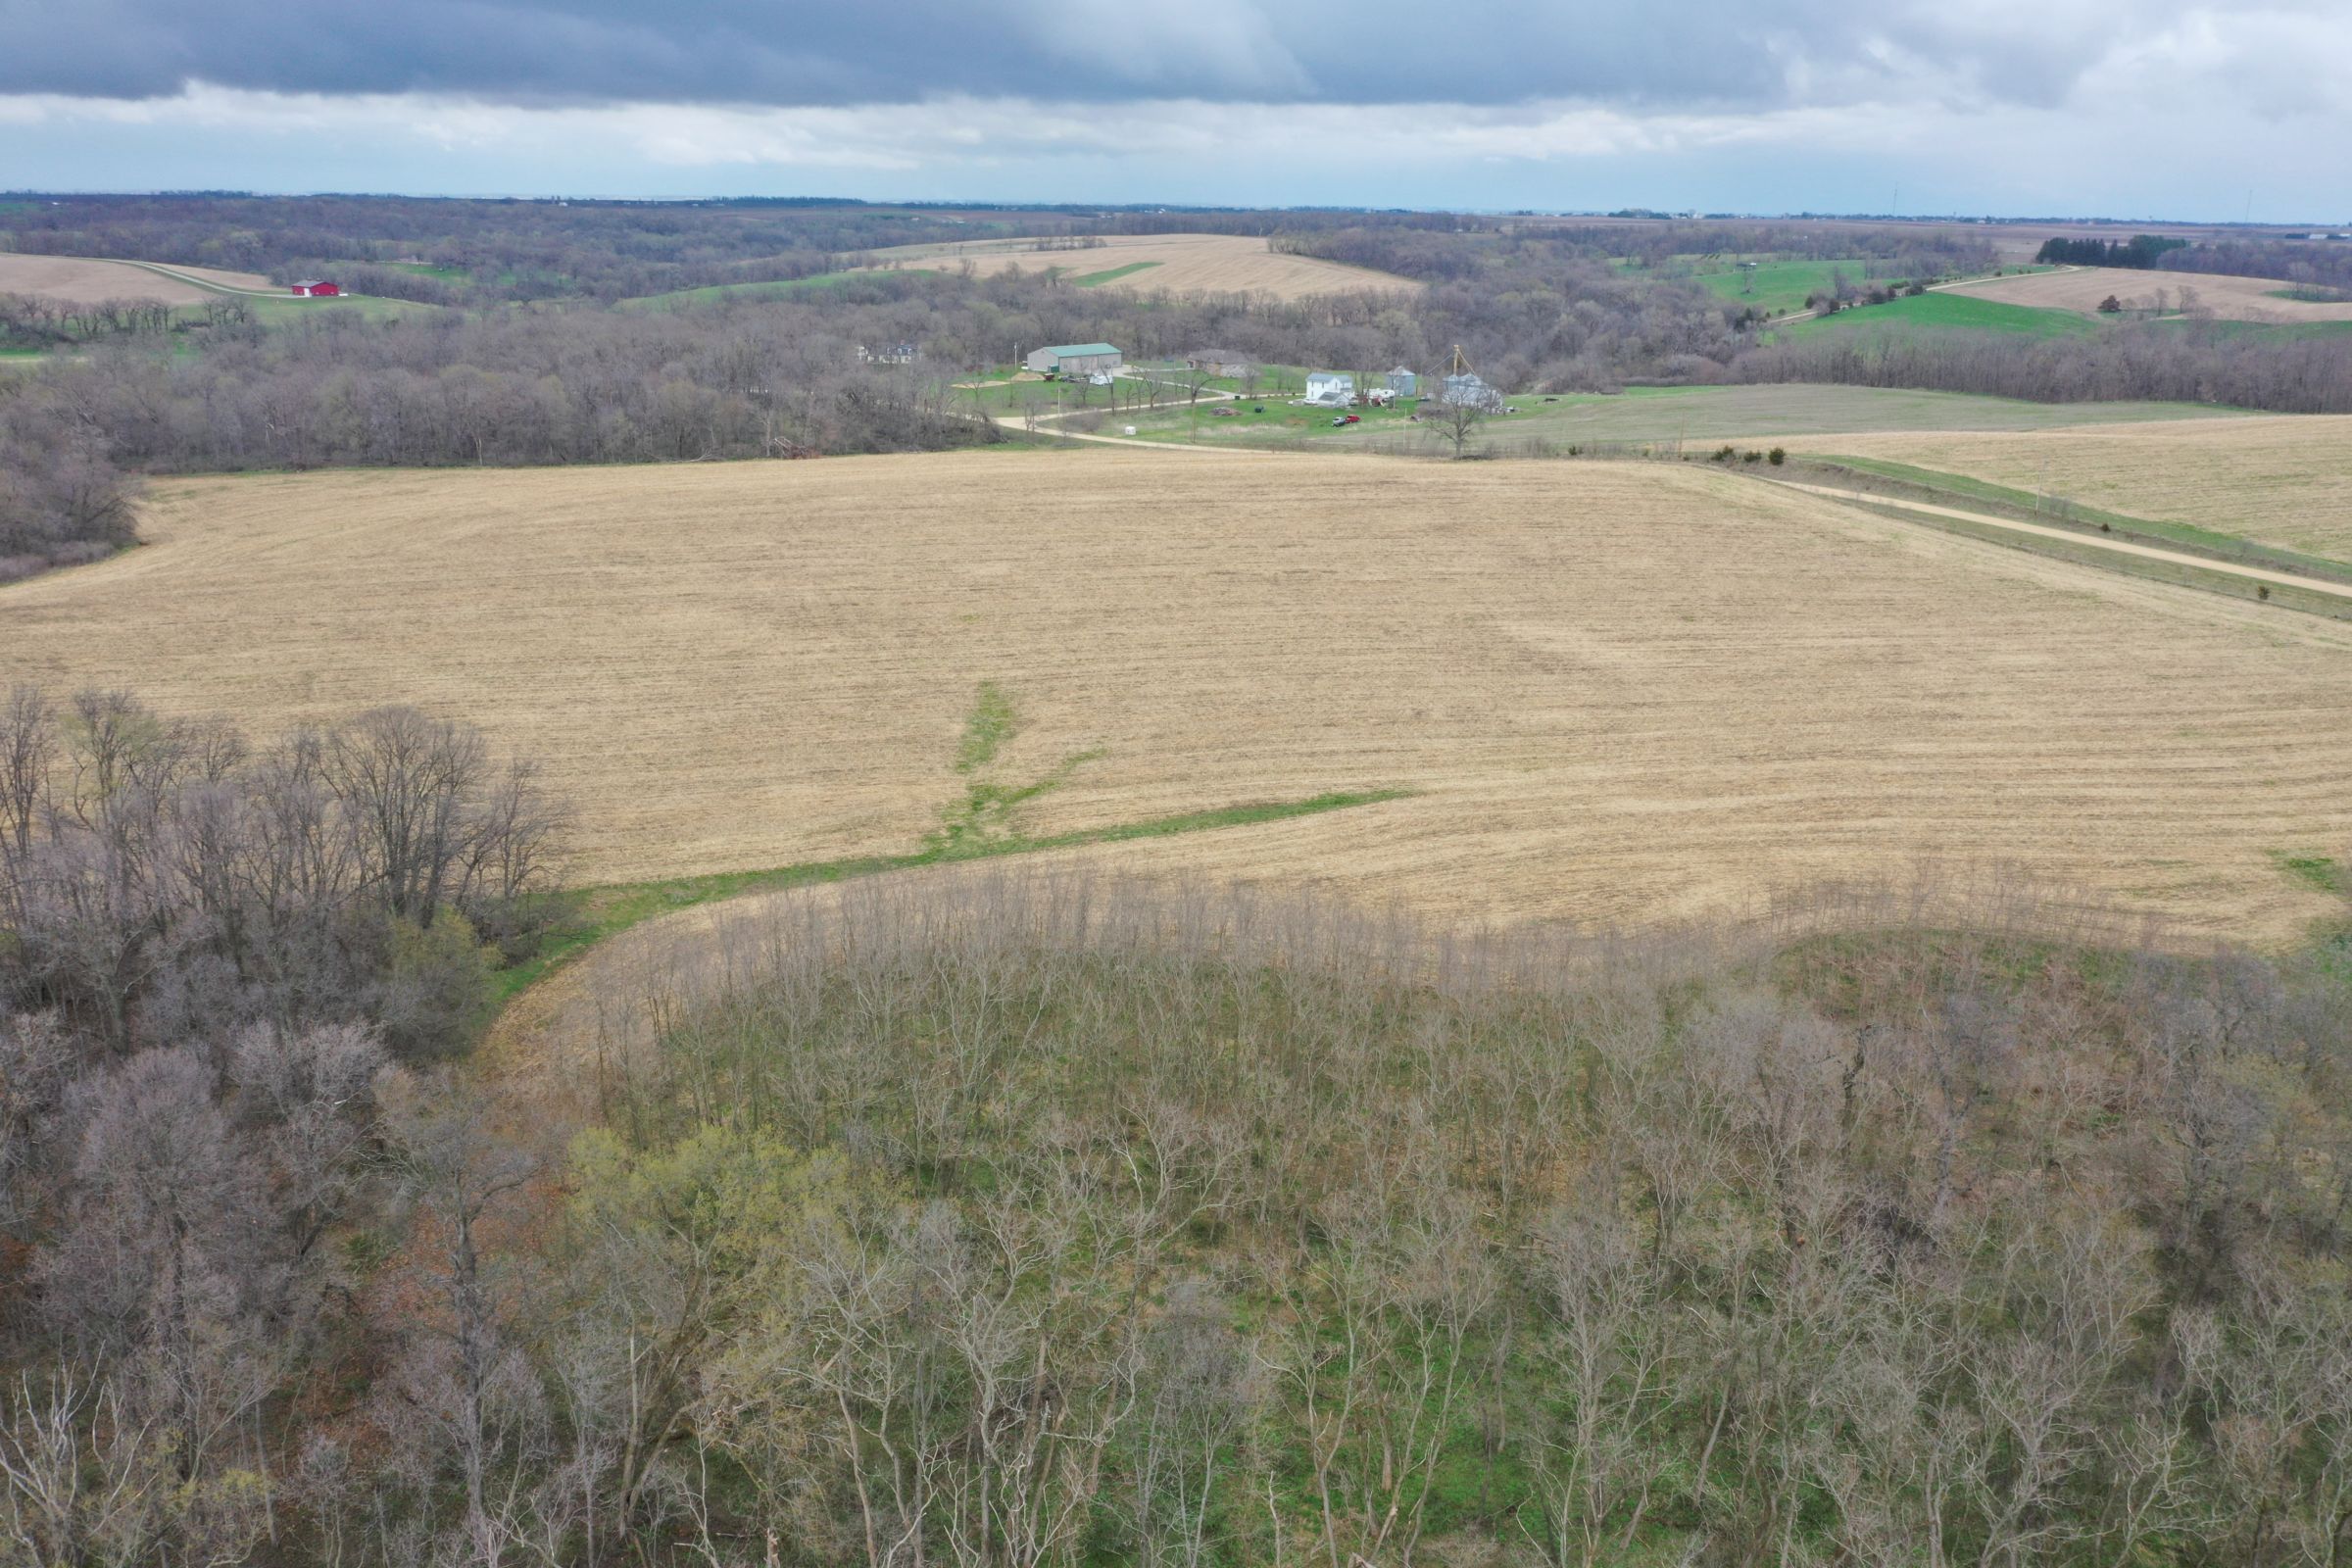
(82, 280)
(1179, 263)
(2084, 288)
(2282, 479)
(1623, 693)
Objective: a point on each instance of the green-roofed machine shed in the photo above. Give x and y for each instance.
(1076, 359)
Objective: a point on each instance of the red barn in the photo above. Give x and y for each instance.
(315, 288)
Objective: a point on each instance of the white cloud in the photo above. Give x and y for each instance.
(2122, 146)
(978, 131)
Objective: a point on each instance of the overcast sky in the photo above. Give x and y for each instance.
(2122, 108)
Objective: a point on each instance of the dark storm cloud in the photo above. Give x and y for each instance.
(1724, 53)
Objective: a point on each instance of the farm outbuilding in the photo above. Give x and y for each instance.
(1331, 387)
(1217, 362)
(315, 288)
(889, 353)
(1403, 382)
(1076, 359)
(1470, 390)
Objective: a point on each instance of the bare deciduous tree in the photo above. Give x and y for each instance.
(1453, 422)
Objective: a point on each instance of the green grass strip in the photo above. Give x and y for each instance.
(2234, 547)
(607, 911)
(2087, 552)
(989, 725)
(1098, 280)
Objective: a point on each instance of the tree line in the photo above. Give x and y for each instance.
(2322, 266)
(479, 252)
(2141, 251)
(2157, 362)
(226, 973)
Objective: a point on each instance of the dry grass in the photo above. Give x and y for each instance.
(226, 277)
(1631, 694)
(1180, 264)
(77, 281)
(73, 280)
(2232, 299)
(2285, 480)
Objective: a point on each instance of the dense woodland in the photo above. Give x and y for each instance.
(1046, 1222)
(1521, 254)
(479, 251)
(2182, 362)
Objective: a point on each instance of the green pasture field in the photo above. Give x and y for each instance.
(274, 311)
(1777, 288)
(1950, 312)
(1000, 390)
(2256, 331)
(1781, 285)
(1265, 421)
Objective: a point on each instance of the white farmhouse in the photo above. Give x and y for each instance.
(1331, 389)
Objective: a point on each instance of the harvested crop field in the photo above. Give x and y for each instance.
(1622, 694)
(1180, 264)
(1756, 414)
(77, 281)
(2283, 480)
(2232, 299)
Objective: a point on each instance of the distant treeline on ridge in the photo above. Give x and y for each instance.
(2141, 251)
